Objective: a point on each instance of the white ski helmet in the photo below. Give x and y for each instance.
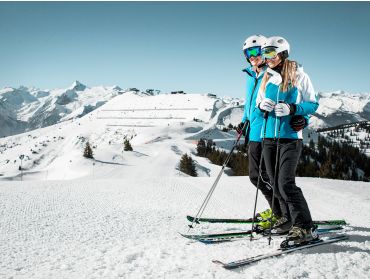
(254, 41)
(280, 44)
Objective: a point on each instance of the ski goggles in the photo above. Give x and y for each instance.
(253, 51)
(269, 53)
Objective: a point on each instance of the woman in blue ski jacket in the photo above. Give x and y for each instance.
(253, 122)
(286, 93)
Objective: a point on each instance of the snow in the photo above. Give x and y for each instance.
(33, 108)
(129, 228)
(119, 215)
(340, 107)
(156, 124)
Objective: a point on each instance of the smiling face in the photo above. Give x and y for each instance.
(256, 61)
(254, 55)
(273, 62)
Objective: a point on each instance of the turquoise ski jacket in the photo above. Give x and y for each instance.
(251, 113)
(302, 95)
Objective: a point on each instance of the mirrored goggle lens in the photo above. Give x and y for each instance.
(254, 51)
(269, 53)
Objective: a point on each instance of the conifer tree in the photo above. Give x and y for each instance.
(88, 152)
(201, 148)
(325, 170)
(187, 165)
(239, 164)
(127, 145)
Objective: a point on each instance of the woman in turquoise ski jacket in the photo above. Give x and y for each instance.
(286, 92)
(253, 123)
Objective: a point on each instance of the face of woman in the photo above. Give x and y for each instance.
(273, 62)
(256, 60)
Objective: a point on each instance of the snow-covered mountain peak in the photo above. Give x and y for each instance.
(339, 107)
(116, 88)
(17, 97)
(77, 86)
(24, 109)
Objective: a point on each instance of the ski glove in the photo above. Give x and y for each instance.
(266, 105)
(240, 127)
(297, 123)
(284, 109)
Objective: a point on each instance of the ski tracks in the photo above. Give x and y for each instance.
(129, 229)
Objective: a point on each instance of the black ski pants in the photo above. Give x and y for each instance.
(254, 155)
(286, 189)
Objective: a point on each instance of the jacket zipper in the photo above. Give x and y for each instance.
(250, 103)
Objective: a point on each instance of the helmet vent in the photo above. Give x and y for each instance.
(281, 41)
(254, 41)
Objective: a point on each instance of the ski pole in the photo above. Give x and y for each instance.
(265, 116)
(206, 200)
(276, 177)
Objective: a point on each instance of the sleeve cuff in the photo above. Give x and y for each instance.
(293, 108)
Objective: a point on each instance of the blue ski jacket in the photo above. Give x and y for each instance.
(250, 111)
(302, 95)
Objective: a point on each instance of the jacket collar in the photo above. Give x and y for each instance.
(249, 70)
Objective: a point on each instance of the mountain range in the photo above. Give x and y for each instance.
(25, 109)
(50, 129)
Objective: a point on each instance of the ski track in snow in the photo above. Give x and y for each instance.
(129, 228)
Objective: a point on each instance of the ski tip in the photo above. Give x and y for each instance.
(210, 241)
(192, 219)
(227, 266)
(218, 262)
(188, 237)
(183, 235)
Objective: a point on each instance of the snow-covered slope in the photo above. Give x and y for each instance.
(119, 215)
(128, 228)
(156, 125)
(341, 107)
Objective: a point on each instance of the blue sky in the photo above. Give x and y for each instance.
(191, 46)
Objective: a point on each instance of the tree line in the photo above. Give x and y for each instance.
(326, 159)
(331, 159)
(238, 162)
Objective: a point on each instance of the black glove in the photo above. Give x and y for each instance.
(297, 123)
(240, 126)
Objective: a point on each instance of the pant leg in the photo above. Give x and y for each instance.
(293, 196)
(279, 208)
(254, 156)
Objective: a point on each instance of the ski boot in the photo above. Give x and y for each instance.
(299, 236)
(282, 226)
(264, 215)
(264, 225)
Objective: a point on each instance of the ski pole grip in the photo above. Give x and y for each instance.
(241, 131)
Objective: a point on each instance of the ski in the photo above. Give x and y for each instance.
(250, 220)
(279, 252)
(217, 220)
(233, 236)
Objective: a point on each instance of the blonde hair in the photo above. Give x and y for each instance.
(288, 74)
